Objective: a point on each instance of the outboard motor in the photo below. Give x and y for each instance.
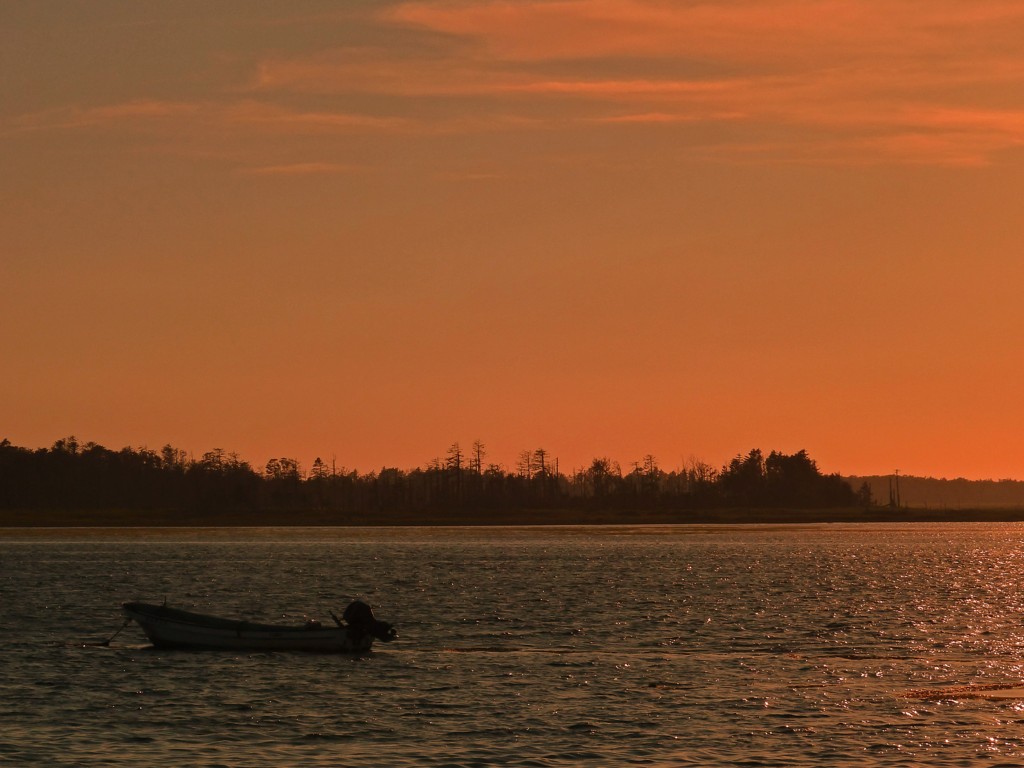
(360, 618)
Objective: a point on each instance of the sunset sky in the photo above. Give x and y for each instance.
(369, 229)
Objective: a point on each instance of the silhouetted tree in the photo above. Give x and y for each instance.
(477, 464)
(454, 460)
(524, 466)
(790, 480)
(88, 476)
(742, 481)
(600, 478)
(864, 496)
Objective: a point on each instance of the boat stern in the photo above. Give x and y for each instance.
(361, 621)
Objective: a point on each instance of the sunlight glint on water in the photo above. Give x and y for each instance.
(799, 646)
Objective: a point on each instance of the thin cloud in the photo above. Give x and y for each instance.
(299, 169)
(664, 118)
(471, 176)
(134, 112)
(849, 66)
(258, 116)
(623, 89)
(274, 117)
(382, 71)
(934, 82)
(741, 30)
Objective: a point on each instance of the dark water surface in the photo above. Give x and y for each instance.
(666, 646)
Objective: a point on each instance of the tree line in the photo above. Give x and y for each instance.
(74, 475)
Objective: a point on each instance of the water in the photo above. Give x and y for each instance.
(666, 646)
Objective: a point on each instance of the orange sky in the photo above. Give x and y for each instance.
(369, 229)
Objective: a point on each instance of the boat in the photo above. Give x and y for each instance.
(168, 627)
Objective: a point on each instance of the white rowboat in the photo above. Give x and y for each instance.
(174, 628)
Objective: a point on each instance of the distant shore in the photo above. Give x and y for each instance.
(149, 518)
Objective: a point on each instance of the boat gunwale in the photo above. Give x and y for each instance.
(163, 613)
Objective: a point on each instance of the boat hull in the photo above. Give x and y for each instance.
(174, 628)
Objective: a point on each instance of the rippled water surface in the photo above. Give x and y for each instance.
(683, 645)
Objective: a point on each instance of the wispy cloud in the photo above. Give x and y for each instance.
(864, 80)
(162, 116)
(299, 169)
(278, 118)
(898, 79)
(740, 30)
(150, 110)
(471, 176)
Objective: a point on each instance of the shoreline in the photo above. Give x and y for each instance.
(35, 519)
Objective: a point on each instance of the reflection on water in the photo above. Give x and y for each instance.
(704, 645)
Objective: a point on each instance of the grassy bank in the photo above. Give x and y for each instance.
(136, 518)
